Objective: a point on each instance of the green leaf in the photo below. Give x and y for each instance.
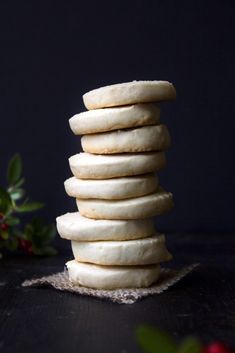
(45, 251)
(17, 194)
(12, 244)
(12, 221)
(49, 232)
(190, 345)
(29, 207)
(5, 201)
(37, 224)
(17, 233)
(14, 169)
(4, 235)
(28, 232)
(19, 183)
(155, 341)
(40, 235)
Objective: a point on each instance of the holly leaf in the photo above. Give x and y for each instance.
(190, 345)
(155, 341)
(5, 201)
(29, 207)
(14, 169)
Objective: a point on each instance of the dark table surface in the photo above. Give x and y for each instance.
(45, 320)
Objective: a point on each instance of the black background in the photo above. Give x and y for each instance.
(54, 51)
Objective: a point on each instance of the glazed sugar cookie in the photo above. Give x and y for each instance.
(101, 120)
(111, 189)
(129, 93)
(146, 251)
(142, 139)
(136, 208)
(73, 226)
(90, 166)
(112, 277)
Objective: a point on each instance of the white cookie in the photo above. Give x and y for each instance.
(129, 93)
(136, 208)
(101, 120)
(145, 251)
(111, 189)
(73, 226)
(112, 277)
(90, 166)
(142, 139)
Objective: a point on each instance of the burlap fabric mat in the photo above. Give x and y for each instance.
(60, 281)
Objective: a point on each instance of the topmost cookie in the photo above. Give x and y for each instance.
(129, 93)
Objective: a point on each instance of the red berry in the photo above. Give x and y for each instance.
(4, 226)
(217, 347)
(30, 250)
(23, 243)
(1, 215)
(26, 245)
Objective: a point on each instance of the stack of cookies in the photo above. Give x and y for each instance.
(114, 242)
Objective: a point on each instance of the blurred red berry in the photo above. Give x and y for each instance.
(4, 226)
(1, 215)
(30, 250)
(217, 347)
(26, 245)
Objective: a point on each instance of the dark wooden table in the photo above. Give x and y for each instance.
(44, 320)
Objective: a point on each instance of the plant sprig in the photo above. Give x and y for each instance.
(152, 340)
(34, 237)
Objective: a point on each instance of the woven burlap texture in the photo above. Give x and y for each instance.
(60, 281)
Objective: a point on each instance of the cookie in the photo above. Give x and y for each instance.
(142, 139)
(90, 166)
(135, 208)
(108, 119)
(73, 226)
(112, 277)
(129, 93)
(151, 250)
(111, 189)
